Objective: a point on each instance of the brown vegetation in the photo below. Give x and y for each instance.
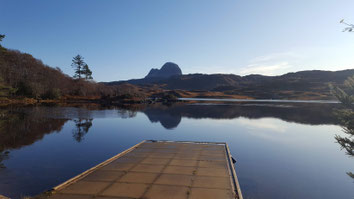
(299, 85)
(22, 76)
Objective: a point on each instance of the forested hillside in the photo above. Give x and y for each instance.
(22, 75)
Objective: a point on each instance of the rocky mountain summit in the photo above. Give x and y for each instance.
(169, 69)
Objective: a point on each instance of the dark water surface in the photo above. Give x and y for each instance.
(282, 150)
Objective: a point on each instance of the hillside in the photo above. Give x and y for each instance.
(298, 85)
(24, 78)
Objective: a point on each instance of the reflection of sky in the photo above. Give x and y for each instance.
(275, 159)
(265, 124)
(296, 160)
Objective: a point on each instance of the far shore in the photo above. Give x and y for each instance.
(150, 100)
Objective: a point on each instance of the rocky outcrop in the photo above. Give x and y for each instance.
(169, 69)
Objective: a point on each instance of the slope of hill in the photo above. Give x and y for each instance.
(303, 80)
(22, 76)
(297, 85)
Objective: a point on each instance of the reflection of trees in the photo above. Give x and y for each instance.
(3, 156)
(346, 117)
(82, 128)
(18, 129)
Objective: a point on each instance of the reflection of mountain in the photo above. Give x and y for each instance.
(20, 126)
(167, 119)
(314, 114)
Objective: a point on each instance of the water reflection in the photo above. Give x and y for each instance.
(21, 126)
(79, 146)
(4, 155)
(18, 129)
(82, 128)
(126, 113)
(170, 117)
(346, 118)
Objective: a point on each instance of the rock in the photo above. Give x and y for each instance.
(167, 70)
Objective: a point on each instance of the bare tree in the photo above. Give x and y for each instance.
(1, 38)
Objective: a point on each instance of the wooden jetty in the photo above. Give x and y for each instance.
(158, 170)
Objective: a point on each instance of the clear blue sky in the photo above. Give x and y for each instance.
(125, 39)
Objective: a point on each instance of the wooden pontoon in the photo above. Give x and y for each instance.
(158, 170)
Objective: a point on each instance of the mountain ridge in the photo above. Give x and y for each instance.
(176, 82)
(309, 84)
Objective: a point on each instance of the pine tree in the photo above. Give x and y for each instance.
(1, 38)
(78, 65)
(346, 116)
(87, 72)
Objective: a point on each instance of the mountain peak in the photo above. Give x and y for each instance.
(167, 70)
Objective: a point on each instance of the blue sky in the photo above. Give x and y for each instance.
(125, 39)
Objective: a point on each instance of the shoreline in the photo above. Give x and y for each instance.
(115, 101)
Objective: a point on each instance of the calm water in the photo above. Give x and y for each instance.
(261, 100)
(282, 150)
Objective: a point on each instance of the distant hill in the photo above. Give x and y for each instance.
(303, 80)
(309, 84)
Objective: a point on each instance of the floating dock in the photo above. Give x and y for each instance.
(158, 170)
